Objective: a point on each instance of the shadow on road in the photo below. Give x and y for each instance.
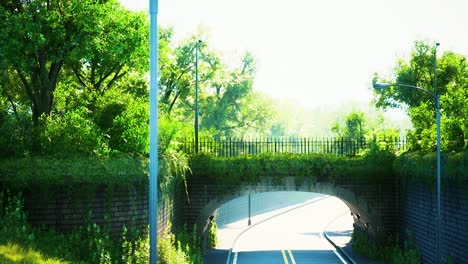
(215, 256)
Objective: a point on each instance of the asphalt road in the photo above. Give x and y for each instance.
(294, 237)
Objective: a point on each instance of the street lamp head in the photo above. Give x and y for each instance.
(381, 86)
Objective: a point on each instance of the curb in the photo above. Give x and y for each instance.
(228, 260)
(338, 248)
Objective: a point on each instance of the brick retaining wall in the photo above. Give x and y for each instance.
(418, 212)
(64, 211)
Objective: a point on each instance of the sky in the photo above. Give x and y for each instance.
(319, 53)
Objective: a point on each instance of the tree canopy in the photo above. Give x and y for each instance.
(95, 39)
(452, 86)
(228, 105)
(74, 82)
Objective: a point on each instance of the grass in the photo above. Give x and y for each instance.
(13, 253)
(22, 243)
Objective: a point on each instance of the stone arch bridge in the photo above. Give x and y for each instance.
(374, 204)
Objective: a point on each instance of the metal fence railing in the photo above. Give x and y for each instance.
(230, 147)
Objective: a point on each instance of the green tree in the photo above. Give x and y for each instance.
(227, 104)
(36, 40)
(354, 126)
(115, 48)
(452, 85)
(231, 107)
(97, 41)
(177, 70)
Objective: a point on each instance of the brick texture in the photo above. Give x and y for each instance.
(418, 221)
(63, 210)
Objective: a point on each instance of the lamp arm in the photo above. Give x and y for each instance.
(417, 88)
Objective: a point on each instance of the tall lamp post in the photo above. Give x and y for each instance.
(153, 126)
(196, 94)
(436, 99)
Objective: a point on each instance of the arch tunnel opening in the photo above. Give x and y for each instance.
(282, 219)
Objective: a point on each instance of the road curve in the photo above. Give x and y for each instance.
(292, 237)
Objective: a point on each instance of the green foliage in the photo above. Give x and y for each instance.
(452, 82)
(72, 134)
(131, 128)
(227, 104)
(173, 166)
(375, 166)
(114, 47)
(182, 247)
(390, 251)
(354, 127)
(358, 125)
(16, 134)
(13, 253)
(421, 167)
(134, 250)
(172, 132)
(232, 108)
(91, 244)
(169, 253)
(24, 173)
(99, 41)
(212, 235)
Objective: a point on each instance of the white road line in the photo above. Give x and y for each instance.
(291, 256)
(285, 258)
(234, 261)
(334, 250)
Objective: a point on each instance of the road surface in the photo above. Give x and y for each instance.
(294, 237)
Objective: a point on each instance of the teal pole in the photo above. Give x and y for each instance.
(197, 46)
(153, 128)
(436, 97)
(250, 221)
(437, 106)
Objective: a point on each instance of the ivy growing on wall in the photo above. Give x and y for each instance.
(371, 167)
(419, 167)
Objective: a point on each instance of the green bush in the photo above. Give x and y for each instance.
(16, 135)
(212, 235)
(72, 134)
(371, 167)
(390, 251)
(91, 244)
(24, 173)
(183, 247)
(130, 128)
(421, 167)
(169, 253)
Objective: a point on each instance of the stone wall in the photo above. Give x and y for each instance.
(65, 208)
(418, 221)
(64, 211)
(374, 207)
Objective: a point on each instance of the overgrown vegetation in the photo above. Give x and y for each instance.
(212, 234)
(373, 166)
(22, 173)
(420, 167)
(391, 251)
(22, 243)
